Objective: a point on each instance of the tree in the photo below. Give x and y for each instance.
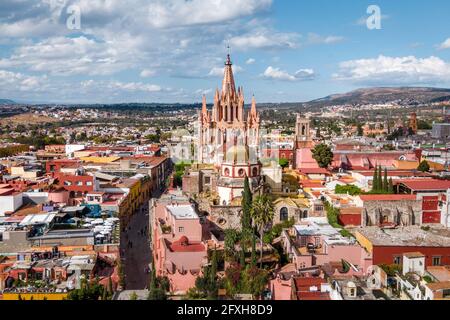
(391, 186)
(246, 206)
(318, 133)
(206, 286)
(424, 166)
(348, 189)
(385, 181)
(155, 291)
(375, 180)
(380, 179)
(360, 132)
(110, 286)
(133, 296)
(323, 155)
(284, 163)
(262, 214)
(87, 291)
(213, 272)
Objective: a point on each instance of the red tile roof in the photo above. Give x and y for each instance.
(314, 171)
(303, 289)
(387, 197)
(427, 185)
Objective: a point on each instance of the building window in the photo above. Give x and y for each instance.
(241, 172)
(89, 183)
(255, 172)
(317, 241)
(67, 183)
(227, 172)
(180, 229)
(397, 260)
(284, 214)
(302, 241)
(207, 180)
(436, 261)
(79, 183)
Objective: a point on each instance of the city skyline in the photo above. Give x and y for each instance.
(172, 51)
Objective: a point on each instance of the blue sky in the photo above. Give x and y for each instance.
(173, 50)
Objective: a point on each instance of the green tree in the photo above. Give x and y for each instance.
(156, 292)
(246, 205)
(380, 179)
(424, 166)
(385, 181)
(214, 263)
(347, 189)
(133, 296)
(284, 163)
(360, 131)
(375, 180)
(391, 186)
(110, 287)
(87, 291)
(262, 214)
(323, 155)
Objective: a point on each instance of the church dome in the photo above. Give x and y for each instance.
(237, 154)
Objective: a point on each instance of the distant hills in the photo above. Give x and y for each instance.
(401, 95)
(6, 101)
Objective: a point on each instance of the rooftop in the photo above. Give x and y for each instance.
(427, 185)
(183, 212)
(411, 236)
(387, 197)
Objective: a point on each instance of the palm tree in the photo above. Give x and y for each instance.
(262, 213)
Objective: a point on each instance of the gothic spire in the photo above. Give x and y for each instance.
(228, 85)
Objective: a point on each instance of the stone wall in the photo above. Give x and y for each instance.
(404, 212)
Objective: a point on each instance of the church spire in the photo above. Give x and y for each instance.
(228, 85)
(204, 110)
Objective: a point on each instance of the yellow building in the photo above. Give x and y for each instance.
(35, 296)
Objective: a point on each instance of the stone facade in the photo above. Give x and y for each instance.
(403, 212)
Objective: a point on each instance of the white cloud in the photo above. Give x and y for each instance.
(395, 70)
(203, 91)
(11, 81)
(250, 61)
(218, 71)
(278, 74)
(170, 13)
(445, 44)
(265, 39)
(314, 38)
(146, 73)
(69, 56)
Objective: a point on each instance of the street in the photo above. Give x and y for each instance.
(136, 251)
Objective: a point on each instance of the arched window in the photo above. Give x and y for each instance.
(284, 214)
(227, 172)
(241, 172)
(303, 130)
(255, 172)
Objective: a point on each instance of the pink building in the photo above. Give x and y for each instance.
(317, 243)
(354, 159)
(178, 247)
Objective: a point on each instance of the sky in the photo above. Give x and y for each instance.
(113, 51)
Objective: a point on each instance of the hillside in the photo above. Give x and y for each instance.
(6, 101)
(401, 95)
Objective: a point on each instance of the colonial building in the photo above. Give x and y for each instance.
(227, 120)
(228, 140)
